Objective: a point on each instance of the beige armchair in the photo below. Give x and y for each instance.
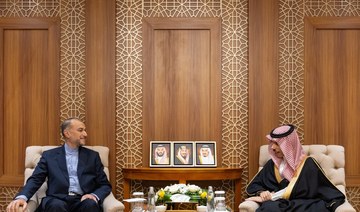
(32, 157)
(332, 160)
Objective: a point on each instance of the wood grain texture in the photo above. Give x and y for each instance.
(30, 94)
(182, 81)
(332, 46)
(100, 76)
(263, 75)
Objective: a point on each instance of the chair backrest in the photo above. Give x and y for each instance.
(330, 157)
(33, 155)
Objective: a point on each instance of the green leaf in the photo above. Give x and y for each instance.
(194, 197)
(167, 197)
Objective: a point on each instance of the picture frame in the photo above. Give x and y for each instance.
(205, 154)
(160, 153)
(183, 154)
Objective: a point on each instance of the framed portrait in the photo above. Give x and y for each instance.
(205, 153)
(183, 153)
(160, 153)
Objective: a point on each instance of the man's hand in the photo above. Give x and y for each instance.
(89, 196)
(264, 196)
(15, 205)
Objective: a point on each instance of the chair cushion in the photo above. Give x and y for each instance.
(330, 157)
(332, 160)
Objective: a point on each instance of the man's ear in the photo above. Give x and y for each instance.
(66, 133)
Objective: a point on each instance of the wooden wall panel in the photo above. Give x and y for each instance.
(30, 91)
(100, 76)
(263, 75)
(332, 101)
(182, 81)
(181, 85)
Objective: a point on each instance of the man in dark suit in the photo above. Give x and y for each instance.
(76, 177)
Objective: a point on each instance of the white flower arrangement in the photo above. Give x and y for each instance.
(182, 189)
(180, 193)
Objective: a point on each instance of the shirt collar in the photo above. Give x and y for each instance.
(68, 149)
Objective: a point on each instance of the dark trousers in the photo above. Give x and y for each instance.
(69, 204)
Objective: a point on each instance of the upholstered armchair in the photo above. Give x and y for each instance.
(32, 157)
(332, 160)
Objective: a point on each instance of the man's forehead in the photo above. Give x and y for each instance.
(77, 124)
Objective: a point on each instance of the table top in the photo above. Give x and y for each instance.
(182, 173)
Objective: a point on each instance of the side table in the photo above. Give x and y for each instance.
(182, 175)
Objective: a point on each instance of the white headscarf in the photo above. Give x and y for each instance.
(288, 140)
(161, 159)
(181, 158)
(206, 160)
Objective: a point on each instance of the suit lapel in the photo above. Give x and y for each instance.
(61, 160)
(81, 163)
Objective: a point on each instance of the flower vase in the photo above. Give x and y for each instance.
(201, 208)
(160, 208)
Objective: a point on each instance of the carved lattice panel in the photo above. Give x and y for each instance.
(72, 56)
(72, 64)
(291, 61)
(6, 195)
(129, 76)
(129, 73)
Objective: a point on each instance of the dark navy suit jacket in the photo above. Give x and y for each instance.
(52, 165)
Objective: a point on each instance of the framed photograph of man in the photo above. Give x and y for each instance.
(205, 153)
(160, 153)
(183, 153)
